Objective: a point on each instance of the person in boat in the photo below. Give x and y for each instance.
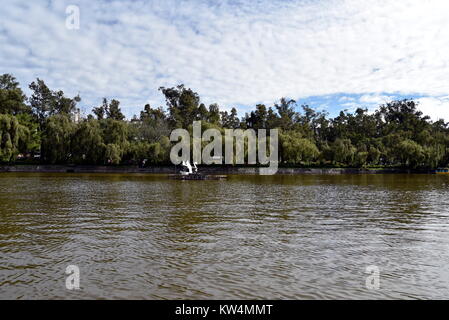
(187, 168)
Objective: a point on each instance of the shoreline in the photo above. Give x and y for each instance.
(204, 169)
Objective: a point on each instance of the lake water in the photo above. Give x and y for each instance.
(250, 237)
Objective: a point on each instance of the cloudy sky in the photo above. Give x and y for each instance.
(330, 54)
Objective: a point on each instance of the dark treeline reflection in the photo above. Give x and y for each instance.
(47, 127)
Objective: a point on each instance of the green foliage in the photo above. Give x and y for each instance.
(360, 159)
(374, 155)
(152, 127)
(13, 135)
(56, 139)
(410, 153)
(183, 106)
(298, 150)
(113, 154)
(343, 151)
(213, 114)
(396, 134)
(46, 103)
(229, 121)
(159, 152)
(115, 136)
(30, 135)
(12, 99)
(287, 114)
(87, 143)
(109, 110)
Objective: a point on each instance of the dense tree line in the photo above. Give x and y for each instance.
(42, 128)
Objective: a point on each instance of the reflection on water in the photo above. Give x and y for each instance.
(275, 237)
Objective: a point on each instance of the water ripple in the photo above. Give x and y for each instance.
(251, 237)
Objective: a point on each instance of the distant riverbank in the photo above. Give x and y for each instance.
(203, 169)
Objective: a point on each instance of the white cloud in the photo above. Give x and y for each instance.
(233, 53)
(376, 99)
(436, 108)
(346, 99)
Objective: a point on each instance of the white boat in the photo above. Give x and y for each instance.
(189, 172)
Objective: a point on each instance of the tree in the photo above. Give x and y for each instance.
(115, 136)
(64, 105)
(343, 151)
(45, 102)
(109, 110)
(182, 105)
(12, 98)
(100, 112)
(233, 120)
(149, 113)
(87, 143)
(410, 153)
(287, 113)
(403, 116)
(434, 155)
(11, 132)
(374, 155)
(396, 134)
(360, 159)
(298, 150)
(41, 100)
(230, 120)
(260, 117)
(30, 135)
(272, 119)
(159, 152)
(113, 154)
(214, 114)
(56, 139)
(114, 111)
(153, 125)
(203, 113)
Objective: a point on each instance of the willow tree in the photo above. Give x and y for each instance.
(115, 137)
(87, 142)
(56, 139)
(298, 150)
(343, 151)
(410, 153)
(11, 135)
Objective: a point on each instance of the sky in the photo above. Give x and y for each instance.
(329, 54)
